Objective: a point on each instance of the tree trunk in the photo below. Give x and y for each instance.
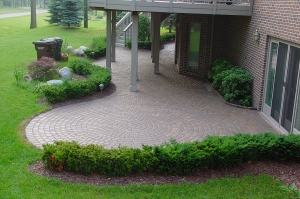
(33, 14)
(86, 19)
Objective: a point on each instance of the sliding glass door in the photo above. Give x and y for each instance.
(281, 96)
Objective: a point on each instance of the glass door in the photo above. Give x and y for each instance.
(281, 95)
(290, 85)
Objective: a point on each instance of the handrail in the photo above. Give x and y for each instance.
(128, 14)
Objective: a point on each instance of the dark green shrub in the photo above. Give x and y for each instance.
(98, 47)
(218, 66)
(43, 69)
(54, 94)
(144, 28)
(232, 82)
(147, 44)
(81, 67)
(167, 37)
(236, 86)
(76, 89)
(172, 158)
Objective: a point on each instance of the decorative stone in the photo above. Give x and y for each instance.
(83, 48)
(65, 73)
(69, 49)
(28, 78)
(78, 52)
(55, 82)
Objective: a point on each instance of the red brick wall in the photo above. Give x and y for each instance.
(272, 18)
(205, 21)
(219, 44)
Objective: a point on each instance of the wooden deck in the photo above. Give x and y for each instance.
(214, 7)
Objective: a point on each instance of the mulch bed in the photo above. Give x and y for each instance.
(286, 172)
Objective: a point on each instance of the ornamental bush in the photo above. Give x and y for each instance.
(232, 82)
(147, 44)
(172, 158)
(77, 89)
(42, 69)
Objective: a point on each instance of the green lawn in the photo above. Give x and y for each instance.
(7, 10)
(18, 105)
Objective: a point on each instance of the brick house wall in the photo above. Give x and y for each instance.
(218, 46)
(233, 39)
(278, 19)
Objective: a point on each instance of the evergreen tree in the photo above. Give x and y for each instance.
(54, 10)
(66, 12)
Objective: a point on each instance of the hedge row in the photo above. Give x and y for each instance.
(147, 44)
(76, 89)
(172, 158)
(231, 81)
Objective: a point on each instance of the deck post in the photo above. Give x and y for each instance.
(156, 42)
(108, 40)
(113, 36)
(134, 51)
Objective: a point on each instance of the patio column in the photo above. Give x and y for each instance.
(134, 51)
(156, 42)
(108, 40)
(152, 35)
(113, 36)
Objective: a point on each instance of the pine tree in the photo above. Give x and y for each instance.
(54, 10)
(66, 12)
(71, 12)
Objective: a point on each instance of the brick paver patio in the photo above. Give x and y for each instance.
(167, 105)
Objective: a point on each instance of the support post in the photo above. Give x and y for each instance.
(108, 40)
(134, 51)
(152, 35)
(156, 42)
(113, 36)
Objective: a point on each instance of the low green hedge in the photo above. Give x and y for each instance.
(76, 89)
(98, 47)
(147, 44)
(172, 158)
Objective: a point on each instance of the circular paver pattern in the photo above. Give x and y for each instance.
(166, 106)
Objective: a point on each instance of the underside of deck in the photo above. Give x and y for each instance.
(214, 7)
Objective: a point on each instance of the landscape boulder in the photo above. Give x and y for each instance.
(65, 73)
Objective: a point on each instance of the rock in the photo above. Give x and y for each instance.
(83, 48)
(28, 78)
(55, 82)
(65, 73)
(78, 52)
(70, 49)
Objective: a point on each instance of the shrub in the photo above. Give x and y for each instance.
(167, 37)
(236, 86)
(98, 47)
(76, 89)
(172, 158)
(55, 94)
(232, 82)
(147, 44)
(218, 66)
(143, 30)
(43, 69)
